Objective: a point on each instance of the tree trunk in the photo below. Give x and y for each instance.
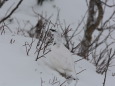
(91, 25)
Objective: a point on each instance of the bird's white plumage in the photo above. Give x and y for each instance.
(60, 58)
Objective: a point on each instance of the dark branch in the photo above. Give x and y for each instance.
(5, 18)
(107, 4)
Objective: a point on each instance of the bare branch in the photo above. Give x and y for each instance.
(5, 18)
(108, 19)
(107, 4)
(81, 71)
(28, 46)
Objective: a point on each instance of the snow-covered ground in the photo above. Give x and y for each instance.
(18, 69)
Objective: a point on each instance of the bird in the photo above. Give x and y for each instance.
(60, 59)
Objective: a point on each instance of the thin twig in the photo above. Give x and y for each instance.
(79, 60)
(80, 71)
(107, 4)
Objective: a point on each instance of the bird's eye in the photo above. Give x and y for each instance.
(53, 30)
(74, 79)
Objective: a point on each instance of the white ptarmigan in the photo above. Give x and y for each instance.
(60, 59)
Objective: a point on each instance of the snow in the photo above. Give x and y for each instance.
(15, 68)
(18, 69)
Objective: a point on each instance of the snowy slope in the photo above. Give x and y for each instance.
(18, 69)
